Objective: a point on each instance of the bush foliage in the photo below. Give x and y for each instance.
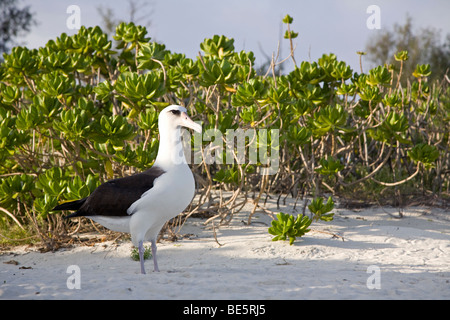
(81, 110)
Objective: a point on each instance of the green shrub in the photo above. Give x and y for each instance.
(321, 210)
(135, 253)
(78, 111)
(285, 227)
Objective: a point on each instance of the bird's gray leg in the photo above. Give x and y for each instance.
(141, 256)
(155, 262)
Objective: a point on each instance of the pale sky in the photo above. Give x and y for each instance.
(324, 26)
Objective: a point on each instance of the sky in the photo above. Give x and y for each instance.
(324, 26)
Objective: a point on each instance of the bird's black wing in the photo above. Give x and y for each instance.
(71, 205)
(114, 197)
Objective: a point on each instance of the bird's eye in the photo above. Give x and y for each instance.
(175, 112)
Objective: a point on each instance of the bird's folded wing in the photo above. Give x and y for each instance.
(114, 197)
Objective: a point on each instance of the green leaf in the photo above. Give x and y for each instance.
(379, 76)
(329, 119)
(104, 90)
(135, 253)
(148, 120)
(290, 34)
(307, 73)
(321, 210)
(114, 129)
(78, 189)
(401, 56)
(329, 166)
(288, 19)
(55, 84)
(45, 204)
(393, 100)
(218, 72)
(15, 188)
(370, 93)
(218, 47)
(139, 88)
(74, 124)
(298, 135)
(286, 227)
(148, 53)
(424, 153)
(392, 129)
(10, 94)
(22, 60)
(129, 35)
(29, 118)
(228, 176)
(53, 182)
(341, 71)
(255, 90)
(422, 70)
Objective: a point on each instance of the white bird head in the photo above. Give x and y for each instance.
(176, 116)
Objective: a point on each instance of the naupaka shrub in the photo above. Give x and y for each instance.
(81, 110)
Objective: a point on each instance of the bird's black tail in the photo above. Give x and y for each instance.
(72, 205)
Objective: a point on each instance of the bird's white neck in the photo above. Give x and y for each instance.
(170, 151)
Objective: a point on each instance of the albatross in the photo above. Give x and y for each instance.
(142, 203)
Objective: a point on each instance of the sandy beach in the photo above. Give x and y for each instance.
(381, 257)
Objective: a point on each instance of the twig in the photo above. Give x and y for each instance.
(393, 184)
(12, 217)
(330, 233)
(163, 69)
(370, 175)
(263, 187)
(215, 235)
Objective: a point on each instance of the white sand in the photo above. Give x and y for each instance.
(411, 254)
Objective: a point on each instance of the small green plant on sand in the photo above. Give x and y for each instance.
(135, 253)
(320, 210)
(286, 226)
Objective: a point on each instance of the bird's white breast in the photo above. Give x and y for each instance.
(171, 194)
